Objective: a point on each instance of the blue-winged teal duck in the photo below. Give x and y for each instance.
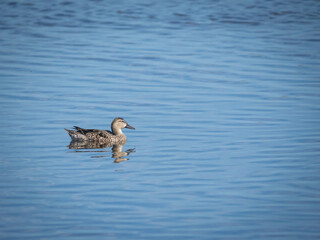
(115, 136)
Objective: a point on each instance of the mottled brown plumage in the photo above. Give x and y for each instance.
(115, 136)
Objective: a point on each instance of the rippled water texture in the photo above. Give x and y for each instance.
(224, 96)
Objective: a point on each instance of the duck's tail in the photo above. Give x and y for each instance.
(76, 136)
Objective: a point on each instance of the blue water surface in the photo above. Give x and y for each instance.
(224, 96)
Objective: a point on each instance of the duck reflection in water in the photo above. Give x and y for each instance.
(93, 139)
(117, 154)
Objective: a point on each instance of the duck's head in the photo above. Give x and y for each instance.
(118, 124)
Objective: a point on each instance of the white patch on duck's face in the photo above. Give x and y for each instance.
(122, 123)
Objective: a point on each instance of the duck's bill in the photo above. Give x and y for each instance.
(130, 127)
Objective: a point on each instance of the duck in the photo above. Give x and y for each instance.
(115, 136)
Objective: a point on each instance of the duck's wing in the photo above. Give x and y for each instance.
(97, 132)
(83, 130)
(102, 133)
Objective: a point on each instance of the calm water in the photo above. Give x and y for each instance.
(224, 96)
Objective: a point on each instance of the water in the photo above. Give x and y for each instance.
(224, 96)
